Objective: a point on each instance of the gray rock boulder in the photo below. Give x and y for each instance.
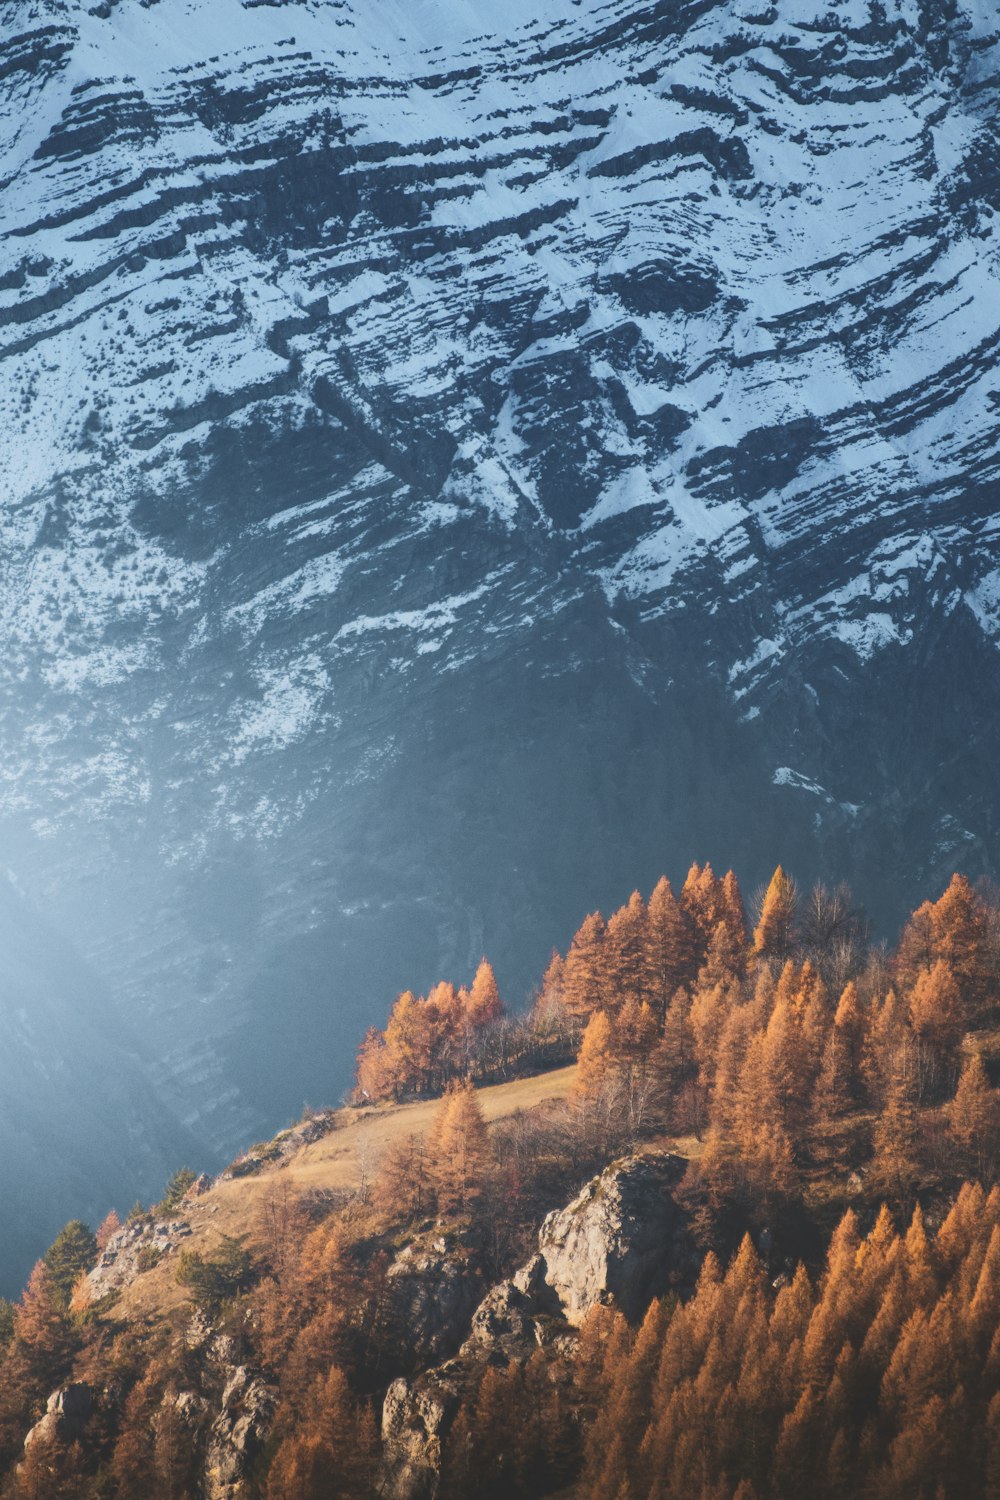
(514, 1317)
(67, 1412)
(615, 1241)
(416, 1417)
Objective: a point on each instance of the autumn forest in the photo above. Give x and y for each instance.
(824, 1317)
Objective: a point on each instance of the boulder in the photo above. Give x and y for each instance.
(614, 1243)
(67, 1412)
(514, 1317)
(616, 1240)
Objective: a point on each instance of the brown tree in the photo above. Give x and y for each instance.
(584, 977)
(952, 929)
(773, 934)
(331, 1452)
(895, 1167)
(459, 1150)
(483, 1004)
(108, 1226)
(627, 952)
(595, 1058)
(671, 947)
(974, 1121)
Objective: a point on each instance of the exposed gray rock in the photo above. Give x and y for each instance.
(432, 1295)
(508, 1322)
(613, 1243)
(67, 1412)
(122, 1259)
(237, 1435)
(416, 1416)
(188, 1405)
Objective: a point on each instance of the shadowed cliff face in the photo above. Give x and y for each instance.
(456, 467)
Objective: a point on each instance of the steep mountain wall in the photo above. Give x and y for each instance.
(454, 463)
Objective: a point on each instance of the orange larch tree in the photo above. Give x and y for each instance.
(459, 1150)
(974, 1121)
(626, 951)
(585, 985)
(670, 959)
(773, 934)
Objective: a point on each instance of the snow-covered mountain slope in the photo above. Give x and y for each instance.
(455, 464)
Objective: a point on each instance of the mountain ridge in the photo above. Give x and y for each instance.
(451, 459)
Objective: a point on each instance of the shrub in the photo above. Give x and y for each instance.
(218, 1279)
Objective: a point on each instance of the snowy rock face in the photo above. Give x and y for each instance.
(456, 466)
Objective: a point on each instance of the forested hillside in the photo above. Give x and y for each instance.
(748, 1249)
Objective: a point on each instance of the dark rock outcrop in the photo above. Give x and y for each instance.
(237, 1435)
(614, 1244)
(431, 1293)
(67, 1412)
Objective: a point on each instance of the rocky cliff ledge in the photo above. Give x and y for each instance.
(618, 1242)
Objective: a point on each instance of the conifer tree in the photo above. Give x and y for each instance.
(584, 977)
(639, 1085)
(735, 916)
(884, 1054)
(173, 1450)
(773, 934)
(51, 1470)
(401, 1184)
(331, 1452)
(671, 947)
(832, 1096)
(73, 1250)
(594, 1061)
(108, 1227)
(484, 1004)
(375, 1077)
(460, 1151)
(849, 1022)
(725, 960)
(895, 1167)
(626, 951)
(952, 929)
(918, 1262)
(707, 1017)
(788, 1068)
(677, 1046)
(703, 899)
(974, 1121)
(936, 1010)
(41, 1328)
(550, 990)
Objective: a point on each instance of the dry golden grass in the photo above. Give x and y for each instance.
(335, 1163)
